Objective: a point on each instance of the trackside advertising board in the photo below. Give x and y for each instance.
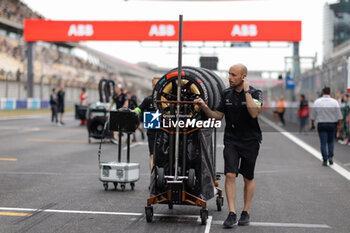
(48, 30)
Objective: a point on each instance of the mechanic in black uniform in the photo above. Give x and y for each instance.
(241, 105)
(120, 100)
(147, 105)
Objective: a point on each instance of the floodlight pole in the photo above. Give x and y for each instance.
(177, 138)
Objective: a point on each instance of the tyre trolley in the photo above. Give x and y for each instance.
(184, 159)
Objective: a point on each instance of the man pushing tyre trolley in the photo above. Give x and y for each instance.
(241, 105)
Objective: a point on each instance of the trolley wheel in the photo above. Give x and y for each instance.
(170, 206)
(191, 178)
(115, 185)
(149, 213)
(105, 185)
(204, 216)
(122, 186)
(219, 203)
(160, 177)
(132, 186)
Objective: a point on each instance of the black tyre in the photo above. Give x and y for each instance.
(215, 90)
(149, 213)
(96, 125)
(191, 178)
(132, 185)
(105, 186)
(219, 203)
(170, 206)
(204, 216)
(115, 185)
(204, 77)
(192, 88)
(122, 186)
(220, 83)
(160, 178)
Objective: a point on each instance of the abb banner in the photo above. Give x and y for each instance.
(48, 30)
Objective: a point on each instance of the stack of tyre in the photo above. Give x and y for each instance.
(195, 82)
(97, 113)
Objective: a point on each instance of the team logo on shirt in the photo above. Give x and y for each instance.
(151, 120)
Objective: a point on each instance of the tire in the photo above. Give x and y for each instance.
(105, 186)
(215, 91)
(149, 213)
(196, 72)
(204, 216)
(193, 87)
(220, 83)
(191, 178)
(160, 178)
(101, 89)
(96, 125)
(219, 203)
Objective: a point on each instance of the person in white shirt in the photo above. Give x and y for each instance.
(326, 112)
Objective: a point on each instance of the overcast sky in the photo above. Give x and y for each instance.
(310, 12)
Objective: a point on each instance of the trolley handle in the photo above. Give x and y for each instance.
(100, 146)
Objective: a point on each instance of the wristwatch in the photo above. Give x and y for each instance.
(245, 92)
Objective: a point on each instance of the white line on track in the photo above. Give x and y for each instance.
(336, 167)
(275, 224)
(207, 227)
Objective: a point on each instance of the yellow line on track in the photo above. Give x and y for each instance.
(7, 159)
(55, 140)
(14, 214)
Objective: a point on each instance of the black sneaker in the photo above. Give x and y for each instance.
(244, 219)
(231, 220)
(330, 161)
(324, 163)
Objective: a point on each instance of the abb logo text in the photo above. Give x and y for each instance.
(81, 30)
(162, 30)
(244, 30)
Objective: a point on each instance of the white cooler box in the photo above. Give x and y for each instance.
(119, 172)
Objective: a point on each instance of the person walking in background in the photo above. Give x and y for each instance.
(83, 101)
(132, 105)
(120, 100)
(60, 98)
(344, 131)
(326, 112)
(53, 104)
(147, 105)
(281, 108)
(303, 114)
(275, 112)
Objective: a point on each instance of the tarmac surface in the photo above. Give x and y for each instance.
(49, 183)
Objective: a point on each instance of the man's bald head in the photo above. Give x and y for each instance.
(243, 69)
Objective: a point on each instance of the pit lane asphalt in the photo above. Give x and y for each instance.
(57, 169)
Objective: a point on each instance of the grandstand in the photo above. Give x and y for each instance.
(57, 62)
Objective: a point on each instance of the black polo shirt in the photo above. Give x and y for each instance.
(240, 126)
(147, 105)
(119, 100)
